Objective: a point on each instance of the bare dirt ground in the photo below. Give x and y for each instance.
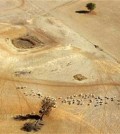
(47, 48)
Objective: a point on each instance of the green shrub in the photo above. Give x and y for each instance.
(91, 6)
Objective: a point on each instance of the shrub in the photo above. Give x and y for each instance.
(91, 6)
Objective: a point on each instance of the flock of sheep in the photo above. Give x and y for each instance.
(80, 99)
(90, 99)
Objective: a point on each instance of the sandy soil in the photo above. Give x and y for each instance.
(72, 46)
(101, 29)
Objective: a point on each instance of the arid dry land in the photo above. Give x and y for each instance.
(47, 48)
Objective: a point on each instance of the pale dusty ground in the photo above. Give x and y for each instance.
(69, 40)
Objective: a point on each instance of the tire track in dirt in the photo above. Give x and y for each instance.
(22, 2)
(20, 95)
(65, 4)
(22, 102)
(104, 107)
(105, 116)
(80, 119)
(2, 84)
(1, 97)
(60, 84)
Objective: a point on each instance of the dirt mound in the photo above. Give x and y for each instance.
(27, 41)
(79, 77)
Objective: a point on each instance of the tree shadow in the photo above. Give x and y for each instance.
(82, 11)
(32, 126)
(26, 117)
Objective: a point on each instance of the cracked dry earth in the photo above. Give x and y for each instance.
(46, 49)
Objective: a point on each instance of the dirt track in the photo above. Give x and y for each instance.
(21, 4)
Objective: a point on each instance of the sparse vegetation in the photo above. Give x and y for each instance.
(34, 126)
(47, 105)
(91, 6)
